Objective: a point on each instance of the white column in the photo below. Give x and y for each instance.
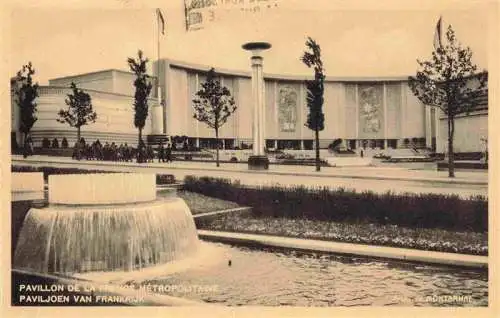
(258, 160)
(384, 96)
(357, 110)
(276, 111)
(262, 109)
(428, 128)
(156, 119)
(258, 106)
(235, 116)
(437, 114)
(403, 112)
(255, 106)
(167, 98)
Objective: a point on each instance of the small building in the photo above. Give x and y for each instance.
(112, 93)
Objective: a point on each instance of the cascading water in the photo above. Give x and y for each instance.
(118, 225)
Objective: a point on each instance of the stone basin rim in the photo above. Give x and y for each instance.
(112, 205)
(102, 188)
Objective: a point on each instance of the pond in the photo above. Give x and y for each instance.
(270, 277)
(242, 275)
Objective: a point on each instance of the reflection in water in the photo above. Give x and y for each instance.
(267, 277)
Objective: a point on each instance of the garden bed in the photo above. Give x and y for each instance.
(443, 223)
(434, 211)
(358, 233)
(199, 203)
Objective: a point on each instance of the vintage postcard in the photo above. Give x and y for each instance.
(235, 158)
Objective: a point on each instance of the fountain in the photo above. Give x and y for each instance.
(111, 234)
(27, 186)
(104, 222)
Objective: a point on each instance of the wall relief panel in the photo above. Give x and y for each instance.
(288, 100)
(371, 110)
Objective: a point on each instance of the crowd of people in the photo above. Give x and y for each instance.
(112, 152)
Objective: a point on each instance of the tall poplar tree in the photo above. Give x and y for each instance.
(315, 89)
(25, 94)
(143, 88)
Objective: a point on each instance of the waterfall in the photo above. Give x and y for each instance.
(63, 238)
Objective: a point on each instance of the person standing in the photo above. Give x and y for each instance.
(169, 152)
(161, 153)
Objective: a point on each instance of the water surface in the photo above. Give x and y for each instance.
(276, 278)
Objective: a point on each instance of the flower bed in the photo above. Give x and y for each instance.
(359, 233)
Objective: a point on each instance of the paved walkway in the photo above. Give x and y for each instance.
(377, 179)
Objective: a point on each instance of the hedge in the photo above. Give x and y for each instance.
(341, 205)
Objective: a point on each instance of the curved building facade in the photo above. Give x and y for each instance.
(364, 112)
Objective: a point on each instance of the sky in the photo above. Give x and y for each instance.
(357, 38)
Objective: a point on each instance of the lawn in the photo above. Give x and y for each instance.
(199, 203)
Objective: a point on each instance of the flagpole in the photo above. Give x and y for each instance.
(158, 56)
(186, 21)
(438, 42)
(441, 31)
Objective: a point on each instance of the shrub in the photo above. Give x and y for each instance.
(165, 179)
(340, 205)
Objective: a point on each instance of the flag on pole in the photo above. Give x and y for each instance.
(161, 21)
(437, 35)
